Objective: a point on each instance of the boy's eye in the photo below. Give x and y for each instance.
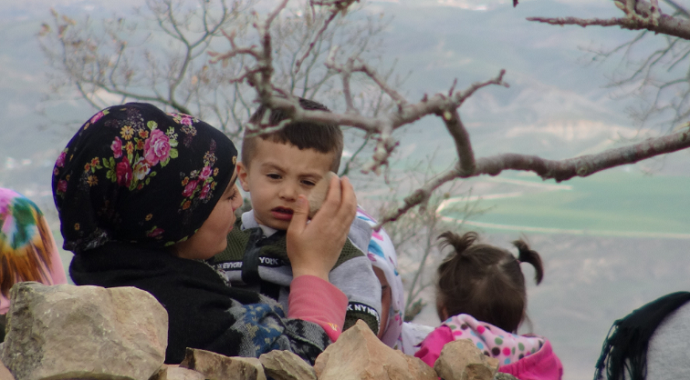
(273, 176)
(309, 183)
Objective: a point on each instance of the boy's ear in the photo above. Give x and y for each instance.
(242, 174)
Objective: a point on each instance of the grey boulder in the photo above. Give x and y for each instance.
(84, 332)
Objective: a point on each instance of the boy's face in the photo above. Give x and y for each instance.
(277, 174)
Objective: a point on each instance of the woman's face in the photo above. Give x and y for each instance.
(385, 300)
(211, 237)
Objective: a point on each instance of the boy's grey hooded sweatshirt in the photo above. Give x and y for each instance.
(256, 258)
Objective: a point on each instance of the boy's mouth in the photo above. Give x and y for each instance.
(282, 213)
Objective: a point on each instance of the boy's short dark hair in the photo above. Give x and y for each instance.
(322, 137)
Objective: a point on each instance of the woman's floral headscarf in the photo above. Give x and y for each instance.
(27, 249)
(133, 173)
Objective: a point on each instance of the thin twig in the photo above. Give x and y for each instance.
(330, 18)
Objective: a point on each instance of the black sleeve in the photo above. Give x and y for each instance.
(352, 316)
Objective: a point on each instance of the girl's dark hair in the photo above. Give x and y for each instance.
(484, 281)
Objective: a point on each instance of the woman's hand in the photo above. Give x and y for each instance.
(314, 248)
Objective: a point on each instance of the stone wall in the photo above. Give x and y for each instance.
(88, 332)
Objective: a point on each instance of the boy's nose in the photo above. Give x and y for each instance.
(289, 192)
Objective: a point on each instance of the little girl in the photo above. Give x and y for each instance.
(481, 296)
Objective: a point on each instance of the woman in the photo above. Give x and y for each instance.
(144, 197)
(27, 248)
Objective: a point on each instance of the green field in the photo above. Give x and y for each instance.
(609, 204)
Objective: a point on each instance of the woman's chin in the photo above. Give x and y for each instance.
(222, 247)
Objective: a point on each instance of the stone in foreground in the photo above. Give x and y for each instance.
(220, 367)
(504, 376)
(5, 374)
(284, 365)
(84, 332)
(359, 355)
(318, 193)
(173, 372)
(462, 360)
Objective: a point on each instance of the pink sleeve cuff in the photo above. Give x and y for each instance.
(316, 300)
(431, 347)
(542, 365)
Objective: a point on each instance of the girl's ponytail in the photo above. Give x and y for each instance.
(526, 255)
(459, 243)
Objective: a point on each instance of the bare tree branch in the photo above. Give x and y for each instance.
(445, 107)
(350, 67)
(656, 77)
(462, 140)
(351, 160)
(562, 170)
(678, 8)
(160, 56)
(584, 166)
(257, 65)
(317, 38)
(642, 16)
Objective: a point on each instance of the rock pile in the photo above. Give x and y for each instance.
(284, 365)
(77, 332)
(462, 360)
(217, 366)
(359, 354)
(86, 332)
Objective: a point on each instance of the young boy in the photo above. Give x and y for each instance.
(275, 169)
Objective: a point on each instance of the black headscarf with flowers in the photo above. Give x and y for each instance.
(134, 174)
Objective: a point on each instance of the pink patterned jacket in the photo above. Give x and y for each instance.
(525, 357)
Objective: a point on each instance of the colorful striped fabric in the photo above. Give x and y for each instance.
(27, 249)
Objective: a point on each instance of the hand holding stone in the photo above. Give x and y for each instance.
(314, 247)
(318, 193)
